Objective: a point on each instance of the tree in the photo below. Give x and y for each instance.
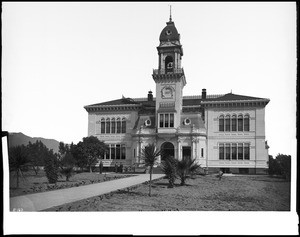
(18, 160)
(90, 150)
(168, 166)
(51, 166)
(36, 152)
(150, 155)
(185, 168)
(66, 160)
(284, 162)
(281, 165)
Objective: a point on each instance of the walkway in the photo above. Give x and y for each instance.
(45, 200)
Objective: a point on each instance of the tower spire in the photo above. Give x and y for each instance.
(170, 13)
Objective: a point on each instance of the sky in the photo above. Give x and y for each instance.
(59, 57)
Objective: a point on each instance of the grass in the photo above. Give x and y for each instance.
(205, 193)
(31, 183)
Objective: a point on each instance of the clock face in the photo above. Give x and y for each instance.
(168, 32)
(167, 93)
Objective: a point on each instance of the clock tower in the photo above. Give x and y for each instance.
(169, 79)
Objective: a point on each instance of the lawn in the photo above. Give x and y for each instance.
(31, 183)
(204, 193)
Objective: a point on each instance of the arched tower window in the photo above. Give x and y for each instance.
(227, 123)
(102, 125)
(240, 123)
(118, 125)
(107, 125)
(246, 122)
(123, 125)
(113, 125)
(169, 64)
(221, 123)
(233, 123)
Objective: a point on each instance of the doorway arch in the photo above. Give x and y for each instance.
(167, 149)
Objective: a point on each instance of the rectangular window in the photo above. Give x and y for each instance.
(107, 126)
(102, 126)
(161, 120)
(221, 151)
(123, 152)
(246, 124)
(233, 151)
(171, 120)
(133, 153)
(227, 151)
(233, 124)
(118, 152)
(166, 120)
(240, 151)
(247, 152)
(186, 152)
(202, 152)
(221, 124)
(112, 152)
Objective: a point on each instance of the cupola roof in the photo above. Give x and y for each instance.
(169, 33)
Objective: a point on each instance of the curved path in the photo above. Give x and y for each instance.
(45, 200)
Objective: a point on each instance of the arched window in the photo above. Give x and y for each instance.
(221, 151)
(169, 64)
(113, 125)
(227, 151)
(227, 123)
(246, 123)
(102, 125)
(123, 125)
(233, 151)
(240, 151)
(247, 151)
(107, 125)
(240, 123)
(118, 125)
(233, 123)
(221, 123)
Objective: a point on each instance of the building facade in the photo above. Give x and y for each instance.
(220, 131)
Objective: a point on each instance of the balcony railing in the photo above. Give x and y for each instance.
(167, 71)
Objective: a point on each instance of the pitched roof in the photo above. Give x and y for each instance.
(187, 100)
(123, 101)
(233, 97)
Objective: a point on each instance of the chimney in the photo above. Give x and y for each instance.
(150, 96)
(203, 93)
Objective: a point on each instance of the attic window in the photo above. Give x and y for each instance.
(187, 121)
(148, 122)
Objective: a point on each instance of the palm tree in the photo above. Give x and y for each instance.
(150, 155)
(18, 160)
(168, 166)
(185, 167)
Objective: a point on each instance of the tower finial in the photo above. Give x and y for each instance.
(170, 12)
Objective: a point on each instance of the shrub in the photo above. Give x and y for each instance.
(168, 166)
(67, 172)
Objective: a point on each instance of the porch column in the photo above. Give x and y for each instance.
(179, 149)
(195, 142)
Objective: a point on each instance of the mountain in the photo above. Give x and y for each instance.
(16, 139)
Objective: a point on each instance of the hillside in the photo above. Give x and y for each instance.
(16, 139)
